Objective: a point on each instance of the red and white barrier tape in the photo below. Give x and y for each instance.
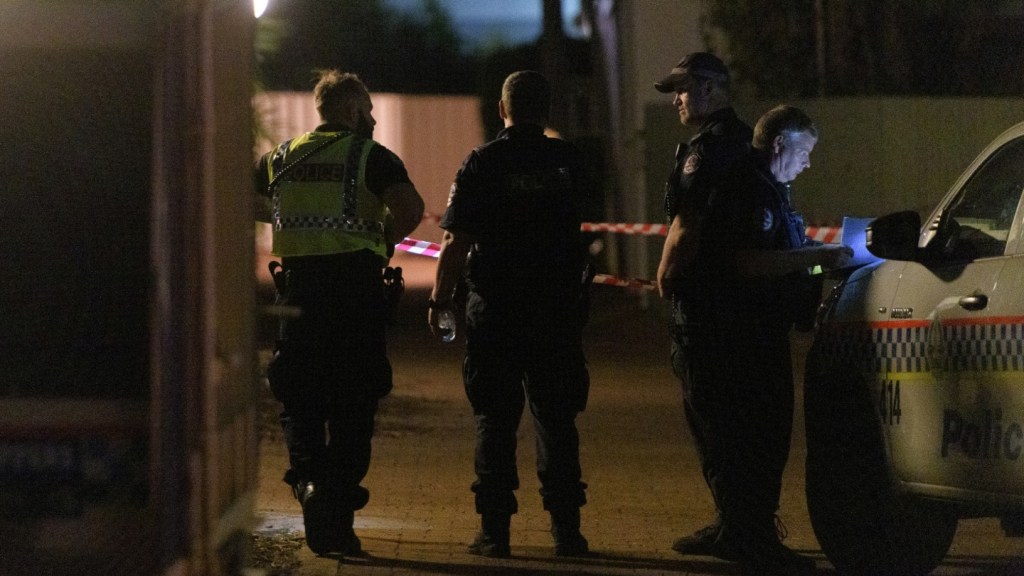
(635, 283)
(829, 235)
(826, 234)
(422, 247)
(432, 249)
(619, 228)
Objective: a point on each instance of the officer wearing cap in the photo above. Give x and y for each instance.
(700, 85)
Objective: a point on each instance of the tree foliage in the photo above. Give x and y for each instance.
(787, 48)
(391, 51)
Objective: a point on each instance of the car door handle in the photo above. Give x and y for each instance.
(974, 302)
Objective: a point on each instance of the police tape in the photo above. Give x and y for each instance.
(634, 283)
(618, 228)
(826, 234)
(433, 249)
(421, 247)
(621, 228)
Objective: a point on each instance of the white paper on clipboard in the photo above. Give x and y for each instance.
(853, 236)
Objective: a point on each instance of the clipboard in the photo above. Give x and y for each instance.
(852, 235)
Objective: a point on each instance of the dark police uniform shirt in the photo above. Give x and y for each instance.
(703, 170)
(759, 215)
(520, 196)
(721, 143)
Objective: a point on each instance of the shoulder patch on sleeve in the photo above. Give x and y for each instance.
(692, 163)
(451, 194)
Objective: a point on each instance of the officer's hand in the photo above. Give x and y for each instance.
(433, 317)
(441, 320)
(663, 289)
(836, 256)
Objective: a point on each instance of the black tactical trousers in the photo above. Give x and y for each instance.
(329, 370)
(736, 374)
(503, 372)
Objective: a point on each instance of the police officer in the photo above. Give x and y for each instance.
(328, 194)
(736, 360)
(514, 209)
(700, 84)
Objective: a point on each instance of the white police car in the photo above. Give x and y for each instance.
(914, 392)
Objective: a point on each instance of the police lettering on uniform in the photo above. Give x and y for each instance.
(733, 352)
(338, 202)
(318, 173)
(514, 210)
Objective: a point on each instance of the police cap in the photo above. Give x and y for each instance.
(695, 64)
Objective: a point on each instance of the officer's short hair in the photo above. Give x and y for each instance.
(336, 91)
(781, 120)
(527, 97)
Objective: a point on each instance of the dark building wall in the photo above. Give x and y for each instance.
(75, 221)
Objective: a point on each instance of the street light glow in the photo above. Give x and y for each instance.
(259, 7)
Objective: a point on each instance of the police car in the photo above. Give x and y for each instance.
(914, 392)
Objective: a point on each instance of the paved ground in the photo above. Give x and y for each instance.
(645, 485)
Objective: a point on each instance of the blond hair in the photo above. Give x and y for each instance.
(335, 94)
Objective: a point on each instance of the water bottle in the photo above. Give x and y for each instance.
(446, 323)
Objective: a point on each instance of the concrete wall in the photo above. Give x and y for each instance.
(874, 155)
(653, 36)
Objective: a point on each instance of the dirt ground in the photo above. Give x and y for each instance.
(645, 486)
(626, 338)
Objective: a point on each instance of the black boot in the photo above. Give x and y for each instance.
(705, 542)
(492, 540)
(565, 529)
(346, 542)
(328, 524)
(760, 550)
(317, 513)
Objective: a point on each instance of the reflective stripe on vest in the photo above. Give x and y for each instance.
(321, 205)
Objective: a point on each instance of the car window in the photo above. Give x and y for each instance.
(977, 222)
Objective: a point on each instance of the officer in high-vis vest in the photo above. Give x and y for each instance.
(338, 202)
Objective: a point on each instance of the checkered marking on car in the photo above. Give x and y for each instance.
(876, 347)
(902, 348)
(989, 345)
(971, 345)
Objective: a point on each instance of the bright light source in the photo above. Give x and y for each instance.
(259, 7)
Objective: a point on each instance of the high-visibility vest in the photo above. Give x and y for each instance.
(321, 204)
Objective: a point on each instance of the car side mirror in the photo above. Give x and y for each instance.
(895, 236)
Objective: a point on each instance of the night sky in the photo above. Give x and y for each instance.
(513, 21)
